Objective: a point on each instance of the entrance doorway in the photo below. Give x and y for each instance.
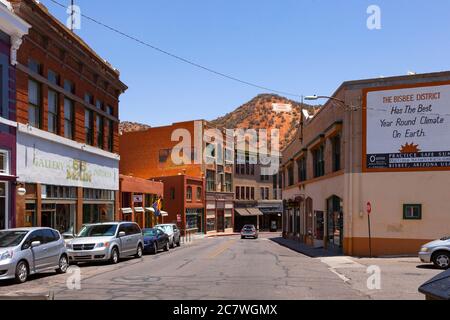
(335, 222)
(220, 221)
(59, 216)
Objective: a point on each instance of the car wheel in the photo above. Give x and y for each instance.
(442, 260)
(172, 243)
(63, 265)
(155, 248)
(21, 272)
(139, 252)
(114, 256)
(167, 247)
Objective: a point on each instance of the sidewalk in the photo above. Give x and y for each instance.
(305, 249)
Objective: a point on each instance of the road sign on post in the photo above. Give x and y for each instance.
(369, 211)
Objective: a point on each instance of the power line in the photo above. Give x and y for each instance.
(184, 60)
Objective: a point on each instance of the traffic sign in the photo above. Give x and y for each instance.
(369, 208)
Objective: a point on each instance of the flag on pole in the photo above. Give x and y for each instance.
(157, 206)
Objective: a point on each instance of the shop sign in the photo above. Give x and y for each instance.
(137, 198)
(407, 128)
(48, 162)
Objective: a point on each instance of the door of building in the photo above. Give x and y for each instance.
(220, 220)
(335, 223)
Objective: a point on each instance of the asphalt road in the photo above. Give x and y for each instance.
(224, 268)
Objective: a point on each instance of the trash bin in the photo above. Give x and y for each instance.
(437, 288)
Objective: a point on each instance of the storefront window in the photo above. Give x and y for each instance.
(59, 216)
(228, 223)
(30, 215)
(211, 221)
(2, 205)
(191, 221)
(95, 213)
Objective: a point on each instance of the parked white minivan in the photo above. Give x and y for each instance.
(106, 242)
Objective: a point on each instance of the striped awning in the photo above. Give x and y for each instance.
(126, 210)
(248, 212)
(139, 209)
(150, 209)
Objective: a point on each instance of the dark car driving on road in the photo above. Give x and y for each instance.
(155, 240)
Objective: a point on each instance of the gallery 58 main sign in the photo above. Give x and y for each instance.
(407, 128)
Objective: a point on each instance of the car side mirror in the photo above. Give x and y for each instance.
(122, 234)
(35, 244)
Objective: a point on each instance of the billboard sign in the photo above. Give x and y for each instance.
(407, 128)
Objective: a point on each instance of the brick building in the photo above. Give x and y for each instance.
(136, 199)
(67, 132)
(382, 144)
(257, 196)
(12, 29)
(148, 154)
(184, 201)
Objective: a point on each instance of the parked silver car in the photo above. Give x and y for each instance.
(28, 251)
(106, 242)
(173, 232)
(437, 252)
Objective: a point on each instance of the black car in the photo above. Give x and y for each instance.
(155, 240)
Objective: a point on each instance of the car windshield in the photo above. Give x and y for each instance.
(445, 238)
(150, 232)
(11, 238)
(104, 230)
(165, 228)
(249, 228)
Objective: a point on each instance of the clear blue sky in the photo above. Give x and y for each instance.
(301, 46)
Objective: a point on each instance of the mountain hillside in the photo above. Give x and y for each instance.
(128, 126)
(260, 113)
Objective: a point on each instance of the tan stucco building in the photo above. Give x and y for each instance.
(381, 144)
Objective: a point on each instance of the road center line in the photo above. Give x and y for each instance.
(221, 249)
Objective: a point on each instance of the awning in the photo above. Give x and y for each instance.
(150, 209)
(255, 212)
(164, 214)
(242, 212)
(126, 210)
(139, 209)
(248, 212)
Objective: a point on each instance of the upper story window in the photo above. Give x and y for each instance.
(110, 110)
(4, 162)
(69, 86)
(172, 193)
(100, 132)
(199, 194)
(290, 172)
(53, 108)
(228, 182)
(189, 193)
(238, 193)
(89, 98)
(99, 104)
(110, 133)
(68, 119)
(210, 180)
(53, 77)
(412, 211)
(35, 66)
(319, 161)
(34, 103)
(164, 154)
(88, 126)
(301, 166)
(336, 146)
